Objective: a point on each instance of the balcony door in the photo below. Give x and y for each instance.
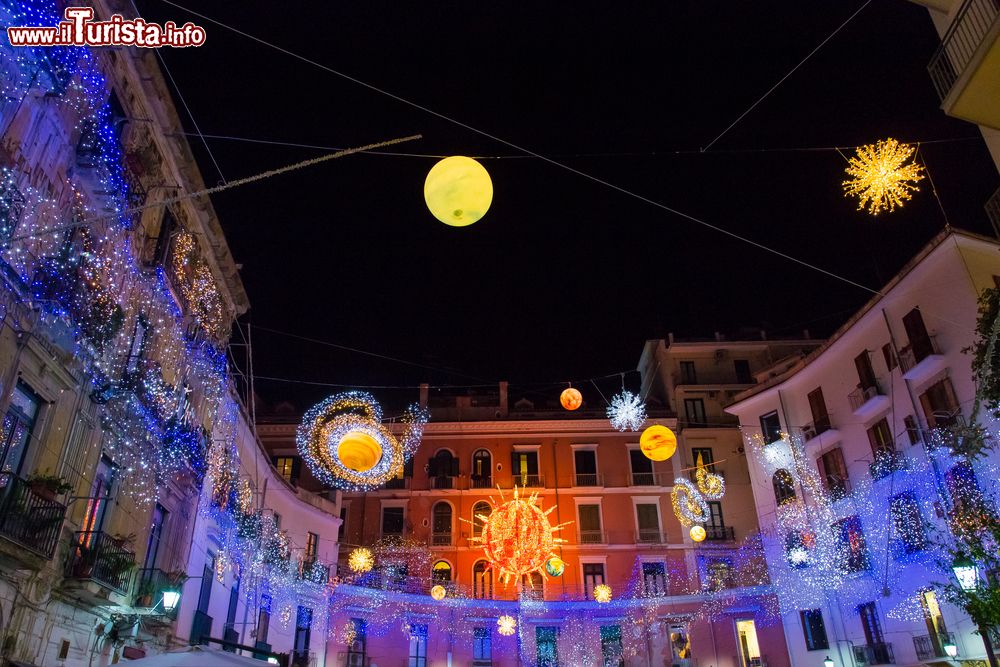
(155, 536)
(817, 406)
(525, 468)
(694, 410)
(866, 374)
(916, 333)
(746, 631)
(936, 628)
(870, 623)
(97, 503)
(17, 426)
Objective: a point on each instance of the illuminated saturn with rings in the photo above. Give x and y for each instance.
(345, 444)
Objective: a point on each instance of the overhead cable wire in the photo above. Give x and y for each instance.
(510, 144)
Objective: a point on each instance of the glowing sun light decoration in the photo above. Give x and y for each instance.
(627, 412)
(458, 191)
(345, 445)
(517, 537)
(360, 560)
(506, 625)
(698, 533)
(602, 593)
(438, 592)
(882, 176)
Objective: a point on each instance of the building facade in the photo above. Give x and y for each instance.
(849, 486)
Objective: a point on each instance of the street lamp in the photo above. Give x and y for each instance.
(827, 661)
(171, 596)
(966, 572)
(950, 649)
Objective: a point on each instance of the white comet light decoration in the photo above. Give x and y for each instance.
(627, 412)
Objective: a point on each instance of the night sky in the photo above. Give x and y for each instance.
(563, 278)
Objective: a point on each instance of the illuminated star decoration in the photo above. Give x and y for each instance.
(627, 412)
(517, 537)
(360, 560)
(602, 593)
(506, 625)
(882, 176)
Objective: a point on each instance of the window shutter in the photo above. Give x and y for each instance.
(432, 467)
(454, 467)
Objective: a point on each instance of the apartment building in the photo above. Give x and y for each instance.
(854, 498)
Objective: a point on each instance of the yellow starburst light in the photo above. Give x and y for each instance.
(360, 560)
(506, 625)
(883, 176)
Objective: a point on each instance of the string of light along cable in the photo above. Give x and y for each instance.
(510, 144)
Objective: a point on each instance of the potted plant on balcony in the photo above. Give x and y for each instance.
(48, 486)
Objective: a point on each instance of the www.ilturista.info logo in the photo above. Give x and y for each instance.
(79, 29)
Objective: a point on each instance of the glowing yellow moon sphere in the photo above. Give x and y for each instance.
(458, 191)
(571, 398)
(658, 443)
(697, 533)
(438, 592)
(359, 451)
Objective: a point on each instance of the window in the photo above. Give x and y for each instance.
(167, 227)
(814, 629)
(642, 468)
(912, 430)
(742, 367)
(851, 544)
(234, 600)
(871, 624)
(784, 486)
(482, 580)
(654, 579)
(833, 472)
(611, 646)
(263, 618)
(770, 427)
(688, 374)
(817, 406)
(155, 538)
(17, 427)
(585, 464)
(480, 509)
(12, 203)
(866, 374)
(482, 647)
(880, 438)
(418, 645)
(694, 410)
(441, 572)
(934, 620)
(797, 546)
(482, 470)
(357, 649)
(746, 630)
(300, 649)
(547, 651)
(890, 357)
(920, 344)
(703, 456)
(648, 519)
(715, 519)
(312, 546)
(940, 405)
(138, 348)
(590, 524)
(907, 526)
(524, 468)
(100, 494)
(966, 498)
(441, 517)
(593, 575)
(392, 521)
(718, 573)
(286, 468)
(443, 468)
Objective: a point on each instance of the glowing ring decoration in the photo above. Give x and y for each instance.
(345, 445)
(712, 486)
(689, 505)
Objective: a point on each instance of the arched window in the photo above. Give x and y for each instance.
(442, 470)
(482, 580)
(482, 471)
(482, 508)
(441, 572)
(784, 486)
(442, 524)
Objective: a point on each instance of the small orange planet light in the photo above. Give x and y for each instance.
(697, 533)
(571, 398)
(658, 443)
(438, 592)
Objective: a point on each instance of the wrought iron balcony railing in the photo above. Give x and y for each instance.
(650, 536)
(481, 482)
(528, 481)
(587, 479)
(879, 653)
(398, 483)
(150, 584)
(96, 556)
(720, 533)
(917, 351)
(201, 628)
(444, 482)
(886, 462)
(27, 517)
(862, 395)
(968, 29)
(591, 537)
(441, 539)
(929, 647)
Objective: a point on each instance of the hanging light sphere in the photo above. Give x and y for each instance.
(359, 451)
(458, 191)
(697, 533)
(658, 443)
(517, 537)
(360, 560)
(438, 592)
(602, 593)
(555, 566)
(571, 398)
(506, 625)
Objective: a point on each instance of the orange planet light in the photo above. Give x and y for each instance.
(658, 443)
(359, 451)
(571, 398)
(697, 533)
(438, 592)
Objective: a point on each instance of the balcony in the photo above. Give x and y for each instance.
(886, 462)
(528, 481)
(481, 482)
(441, 539)
(648, 536)
(201, 628)
(866, 402)
(398, 483)
(720, 533)
(646, 479)
(966, 67)
(28, 518)
(442, 482)
(100, 558)
(921, 359)
(874, 654)
(591, 537)
(312, 570)
(931, 647)
(588, 479)
(150, 584)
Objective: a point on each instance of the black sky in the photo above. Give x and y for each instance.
(563, 278)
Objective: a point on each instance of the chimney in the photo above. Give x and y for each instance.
(503, 398)
(424, 390)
